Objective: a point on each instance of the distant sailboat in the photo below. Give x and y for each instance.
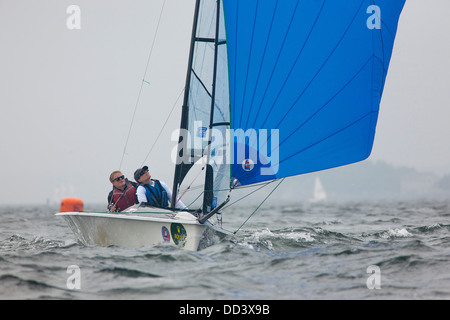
(320, 194)
(283, 88)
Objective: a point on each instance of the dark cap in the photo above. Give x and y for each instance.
(139, 172)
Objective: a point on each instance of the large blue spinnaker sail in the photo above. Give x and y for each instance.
(305, 80)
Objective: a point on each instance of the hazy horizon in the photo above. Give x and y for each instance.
(68, 95)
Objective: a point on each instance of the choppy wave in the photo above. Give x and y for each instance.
(285, 237)
(16, 243)
(394, 233)
(287, 252)
(128, 272)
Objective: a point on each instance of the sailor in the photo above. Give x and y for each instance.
(123, 194)
(153, 193)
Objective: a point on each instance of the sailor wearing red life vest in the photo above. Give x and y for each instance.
(123, 194)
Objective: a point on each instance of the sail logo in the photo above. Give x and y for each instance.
(165, 234)
(178, 234)
(248, 165)
(256, 149)
(214, 203)
(201, 132)
(250, 149)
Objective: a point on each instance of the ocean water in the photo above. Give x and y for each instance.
(358, 250)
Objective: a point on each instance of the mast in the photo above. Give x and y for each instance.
(185, 108)
(209, 176)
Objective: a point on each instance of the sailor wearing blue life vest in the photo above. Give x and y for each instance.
(153, 193)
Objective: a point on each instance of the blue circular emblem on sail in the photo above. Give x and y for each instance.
(248, 165)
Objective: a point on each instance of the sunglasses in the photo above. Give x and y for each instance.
(142, 173)
(119, 178)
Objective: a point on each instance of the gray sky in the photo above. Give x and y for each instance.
(67, 96)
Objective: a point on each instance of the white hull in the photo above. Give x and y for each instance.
(143, 227)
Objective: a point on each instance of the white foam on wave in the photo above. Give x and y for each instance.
(298, 236)
(265, 237)
(396, 233)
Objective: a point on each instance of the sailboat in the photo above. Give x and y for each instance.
(273, 89)
(319, 194)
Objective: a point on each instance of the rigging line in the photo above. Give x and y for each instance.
(164, 125)
(193, 201)
(201, 83)
(142, 84)
(263, 185)
(257, 208)
(189, 186)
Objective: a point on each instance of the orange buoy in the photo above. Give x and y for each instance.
(71, 205)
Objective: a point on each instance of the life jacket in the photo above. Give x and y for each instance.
(124, 198)
(156, 195)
